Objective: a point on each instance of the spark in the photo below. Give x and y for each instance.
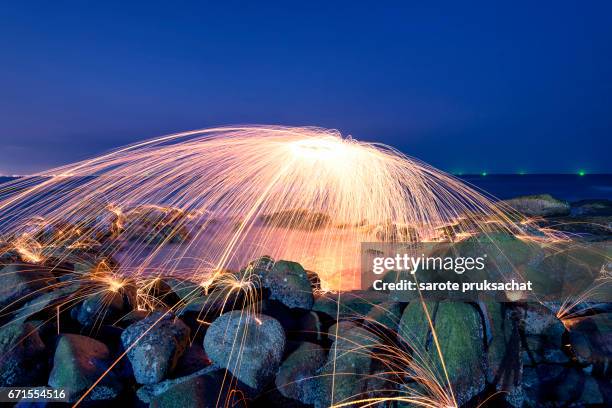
(232, 194)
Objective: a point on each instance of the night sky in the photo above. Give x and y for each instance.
(524, 86)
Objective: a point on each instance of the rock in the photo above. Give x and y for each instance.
(591, 394)
(105, 305)
(184, 289)
(315, 281)
(209, 387)
(595, 228)
(289, 284)
(385, 316)
(195, 392)
(542, 205)
(540, 384)
(460, 334)
(79, 361)
(348, 367)
(45, 304)
(23, 360)
(543, 336)
(504, 368)
(357, 303)
(567, 272)
(297, 377)
(591, 340)
(504, 251)
(559, 386)
(310, 327)
(278, 311)
(21, 281)
(592, 208)
(148, 392)
(396, 295)
(337, 330)
(160, 290)
(154, 346)
(250, 347)
(193, 360)
(132, 317)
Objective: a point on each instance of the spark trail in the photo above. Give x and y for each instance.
(199, 202)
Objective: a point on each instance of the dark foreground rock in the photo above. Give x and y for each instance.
(250, 347)
(22, 281)
(294, 351)
(208, 387)
(297, 376)
(459, 332)
(348, 368)
(591, 341)
(78, 363)
(542, 335)
(154, 346)
(346, 304)
(108, 305)
(22, 352)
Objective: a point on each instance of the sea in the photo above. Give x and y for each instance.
(570, 187)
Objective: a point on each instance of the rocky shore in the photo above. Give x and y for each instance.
(269, 336)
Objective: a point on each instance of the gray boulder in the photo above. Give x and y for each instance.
(288, 283)
(504, 368)
(154, 346)
(250, 347)
(44, 305)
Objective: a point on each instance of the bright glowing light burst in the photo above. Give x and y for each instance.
(198, 202)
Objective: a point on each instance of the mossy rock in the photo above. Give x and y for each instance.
(459, 332)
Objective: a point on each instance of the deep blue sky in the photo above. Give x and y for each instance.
(502, 88)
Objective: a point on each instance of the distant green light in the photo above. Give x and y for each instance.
(522, 173)
(582, 173)
(484, 173)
